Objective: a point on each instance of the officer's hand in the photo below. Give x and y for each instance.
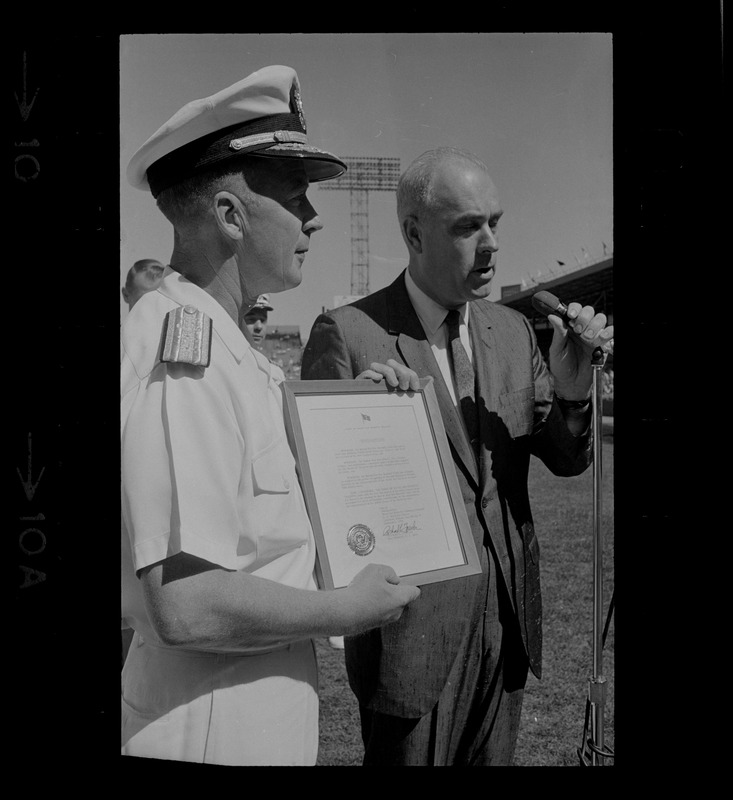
(376, 597)
(396, 375)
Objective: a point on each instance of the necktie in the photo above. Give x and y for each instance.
(464, 375)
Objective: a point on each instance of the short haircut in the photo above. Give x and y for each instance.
(149, 269)
(187, 201)
(415, 186)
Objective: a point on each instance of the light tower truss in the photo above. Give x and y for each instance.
(364, 175)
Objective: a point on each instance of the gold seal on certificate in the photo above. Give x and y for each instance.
(360, 539)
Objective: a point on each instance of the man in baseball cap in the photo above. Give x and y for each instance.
(256, 320)
(217, 548)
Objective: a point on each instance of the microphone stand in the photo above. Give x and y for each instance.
(592, 750)
(596, 702)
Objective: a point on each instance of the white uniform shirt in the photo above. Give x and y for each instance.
(206, 467)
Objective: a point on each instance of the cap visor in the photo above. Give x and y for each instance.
(319, 164)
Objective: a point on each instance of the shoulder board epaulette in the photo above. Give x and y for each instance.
(186, 337)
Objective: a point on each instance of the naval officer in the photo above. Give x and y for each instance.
(218, 551)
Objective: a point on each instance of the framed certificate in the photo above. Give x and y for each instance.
(378, 480)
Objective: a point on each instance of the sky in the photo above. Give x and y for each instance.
(536, 108)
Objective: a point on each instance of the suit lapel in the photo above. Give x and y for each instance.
(484, 353)
(486, 359)
(485, 364)
(413, 346)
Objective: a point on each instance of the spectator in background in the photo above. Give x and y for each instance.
(142, 277)
(256, 320)
(254, 328)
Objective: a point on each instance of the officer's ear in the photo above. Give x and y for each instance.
(412, 232)
(125, 295)
(228, 215)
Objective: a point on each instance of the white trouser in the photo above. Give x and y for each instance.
(217, 708)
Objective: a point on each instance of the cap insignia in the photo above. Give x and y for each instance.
(296, 98)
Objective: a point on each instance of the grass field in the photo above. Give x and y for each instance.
(554, 708)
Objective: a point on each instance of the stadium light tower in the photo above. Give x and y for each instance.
(364, 175)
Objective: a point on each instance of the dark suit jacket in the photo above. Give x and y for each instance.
(400, 669)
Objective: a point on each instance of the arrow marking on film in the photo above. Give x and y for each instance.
(28, 486)
(24, 106)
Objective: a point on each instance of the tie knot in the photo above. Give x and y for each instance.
(453, 321)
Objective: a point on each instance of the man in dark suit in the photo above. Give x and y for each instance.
(444, 685)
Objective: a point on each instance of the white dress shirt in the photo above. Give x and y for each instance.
(432, 319)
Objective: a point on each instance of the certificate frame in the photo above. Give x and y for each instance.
(451, 552)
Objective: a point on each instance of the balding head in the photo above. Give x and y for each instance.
(449, 211)
(415, 190)
(143, 276)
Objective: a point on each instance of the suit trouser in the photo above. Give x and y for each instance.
(476, 719)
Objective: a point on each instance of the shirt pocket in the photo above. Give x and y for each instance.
(272, 469)
(516, 410)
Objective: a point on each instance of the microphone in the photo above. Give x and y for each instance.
(546, 303)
